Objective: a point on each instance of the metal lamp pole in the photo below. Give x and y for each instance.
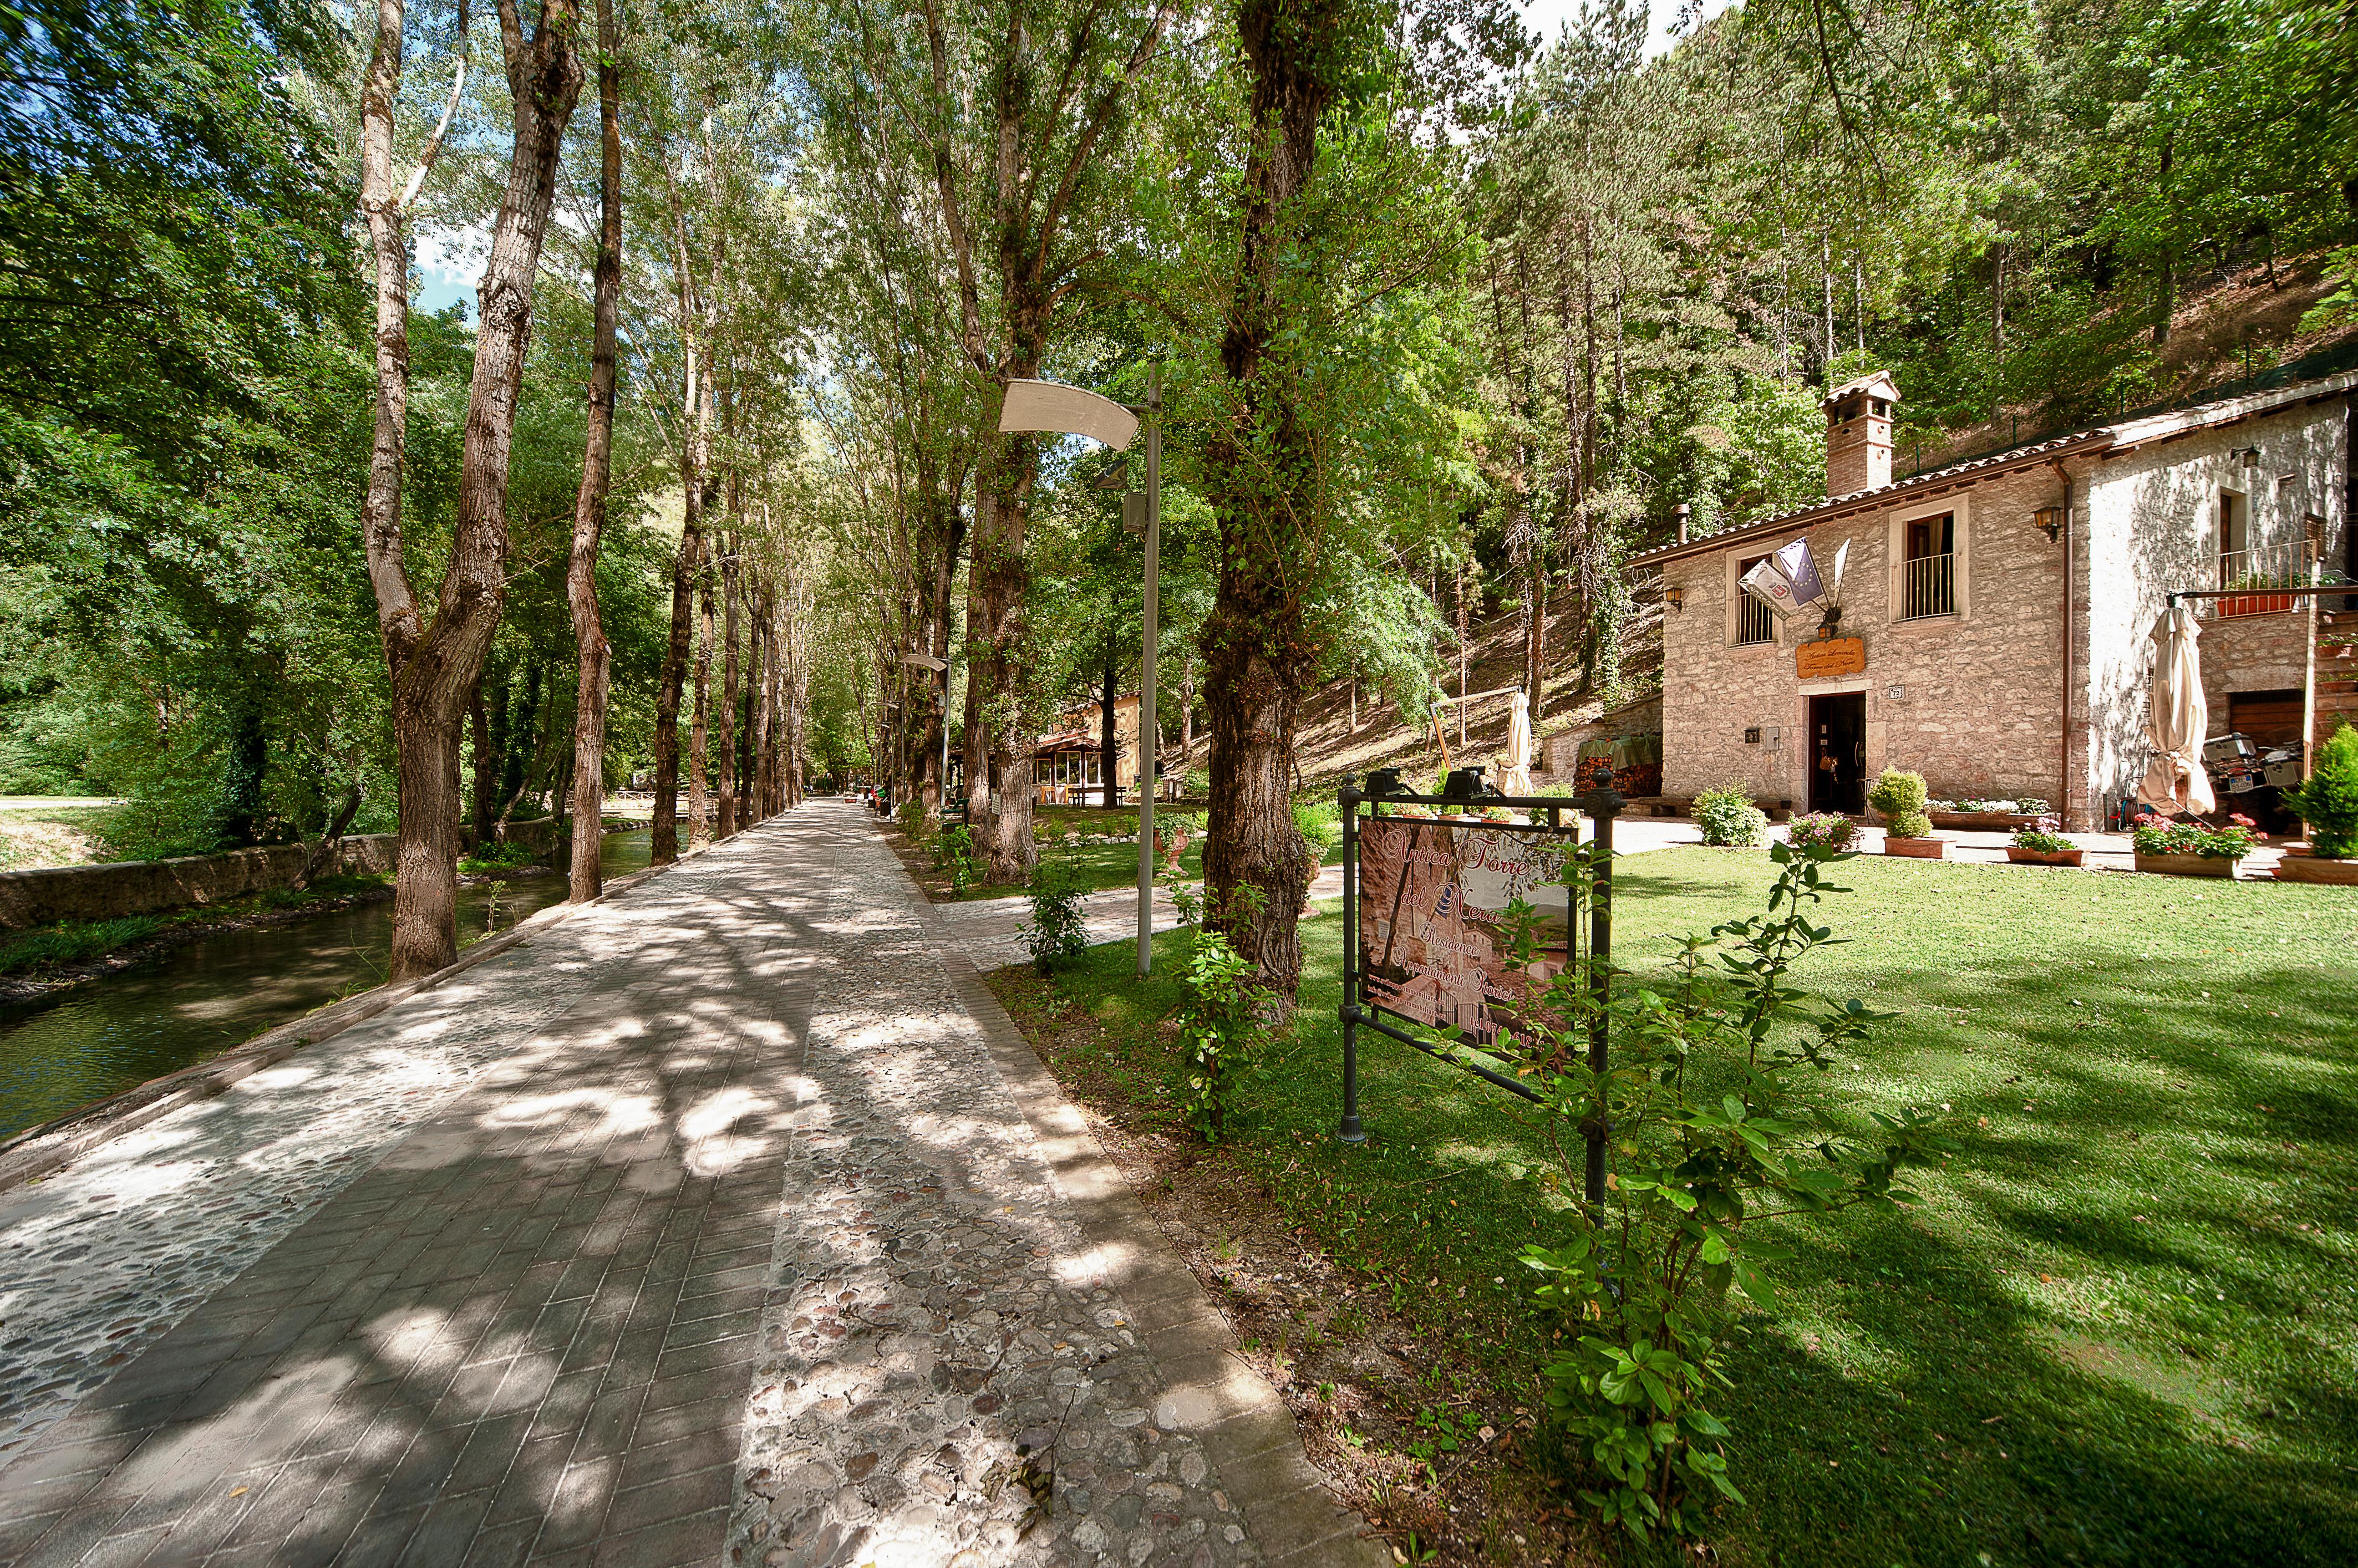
(1147, 773)
(1048, 405)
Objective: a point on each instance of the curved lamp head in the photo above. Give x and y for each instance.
(1051, 406)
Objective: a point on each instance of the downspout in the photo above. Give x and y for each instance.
(2063, 758)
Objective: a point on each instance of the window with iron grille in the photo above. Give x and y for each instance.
(1928, 570)
(1755, 622)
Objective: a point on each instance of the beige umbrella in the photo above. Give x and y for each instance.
(1518, 777)
(2179, 720)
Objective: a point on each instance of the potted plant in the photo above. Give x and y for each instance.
(1822, 829)
(2190, 849)
(1173, 833)
(2042, 845)
(1900, 798)
(1729, 819)
(2327, 802)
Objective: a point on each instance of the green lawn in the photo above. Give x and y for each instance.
(2122, 1325)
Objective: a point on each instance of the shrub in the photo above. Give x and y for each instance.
(1901, 798)
(2327, 802)
(954, 856)
(1220, 1033)
(911, 815)
(1057, 928)
(1729, 817)
(1821, 830)
(1717, 1132)
(1321, 822)
(500, 855)
(1197, 783)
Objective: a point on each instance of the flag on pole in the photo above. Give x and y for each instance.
(1801, 569)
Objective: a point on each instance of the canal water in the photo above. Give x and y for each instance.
(197, 1001)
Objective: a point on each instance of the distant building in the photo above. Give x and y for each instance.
(1994, 618)
(1068, 765)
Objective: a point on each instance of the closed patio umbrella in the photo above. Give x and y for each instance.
(2179, 720)
(1517, 779)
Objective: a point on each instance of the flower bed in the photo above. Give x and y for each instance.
(2191, 848)
(2037, 844)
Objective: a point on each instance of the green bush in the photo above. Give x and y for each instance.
(1900, 798)
(1197, 783)
(1639, 1290)
(954, 856)
(1321, 822)
(1727, 817)
(1057, 928)
(911, 815)
(1221, 1032)
(2327, 802)
(499, 856)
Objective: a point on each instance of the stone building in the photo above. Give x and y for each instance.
(1993, 624)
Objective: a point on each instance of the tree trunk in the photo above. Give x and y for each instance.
(726, 741)
(699, 732)
(595, 672)
(757, 725)
(434, 666)
(1257, 651)
(665, 845)
(323, 853)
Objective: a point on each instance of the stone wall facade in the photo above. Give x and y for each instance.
(147, 887)
(1974, 700)
(1968, 699)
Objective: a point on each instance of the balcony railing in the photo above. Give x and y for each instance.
(2271, 566)
(1928, 587)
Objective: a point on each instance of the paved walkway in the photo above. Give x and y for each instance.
(727, 1222)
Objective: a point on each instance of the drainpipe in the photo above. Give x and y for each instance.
(2063, 760)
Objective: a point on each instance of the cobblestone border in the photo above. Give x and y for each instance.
(1211, 1393)
(38, 1150)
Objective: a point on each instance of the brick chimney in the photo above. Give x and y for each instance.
(1858, 434)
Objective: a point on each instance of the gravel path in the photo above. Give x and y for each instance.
(729, 1221)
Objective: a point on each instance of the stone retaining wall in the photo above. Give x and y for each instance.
(144, 887)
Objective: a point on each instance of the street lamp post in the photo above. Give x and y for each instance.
(941, 667)
(1054, 407)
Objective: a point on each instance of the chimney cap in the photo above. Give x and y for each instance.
(1878, 382)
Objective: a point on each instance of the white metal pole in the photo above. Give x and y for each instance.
(1146, 772)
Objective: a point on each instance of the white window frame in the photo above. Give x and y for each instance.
(1894, 551)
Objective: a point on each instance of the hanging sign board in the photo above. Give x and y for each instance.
(1436, 945)
(1828, 656)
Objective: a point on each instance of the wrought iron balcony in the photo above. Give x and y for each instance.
(1928, 587)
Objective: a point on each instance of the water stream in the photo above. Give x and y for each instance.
(197, 1001)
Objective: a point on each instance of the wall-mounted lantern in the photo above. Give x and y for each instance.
(1676, 598)
(2051, 518)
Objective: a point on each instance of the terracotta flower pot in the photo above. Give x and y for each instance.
(1982, 821)
(1916, 848)
(2187, 865)
(2022, 856)
(2309, 866)
(1169, 849)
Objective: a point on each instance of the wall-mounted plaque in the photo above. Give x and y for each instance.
(1830, 657)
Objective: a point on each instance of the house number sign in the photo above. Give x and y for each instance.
(1830, 657)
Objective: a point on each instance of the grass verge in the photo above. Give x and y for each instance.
(2121, 1328)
